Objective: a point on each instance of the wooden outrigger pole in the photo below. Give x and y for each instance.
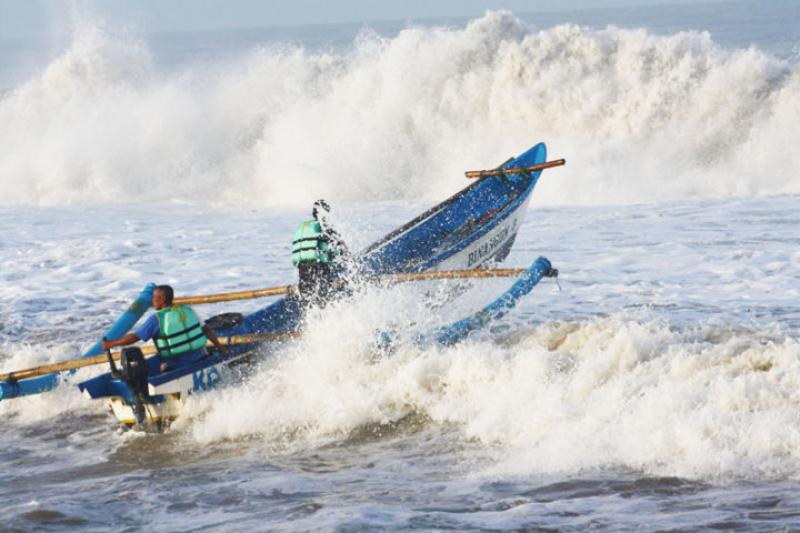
(396, 278)
(515, 170)
(80, 362)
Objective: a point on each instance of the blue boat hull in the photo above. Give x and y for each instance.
(471, 229)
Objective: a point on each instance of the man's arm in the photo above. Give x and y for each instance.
(147, 331)
(214, 340)
(130, 338)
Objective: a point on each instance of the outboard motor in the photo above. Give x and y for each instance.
(133, 371)
(134, 374)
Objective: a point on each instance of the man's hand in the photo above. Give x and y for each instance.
(215, 341)
(130, 338)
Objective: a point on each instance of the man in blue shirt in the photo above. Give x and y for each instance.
(175, 330)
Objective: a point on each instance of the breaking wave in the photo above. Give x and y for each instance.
(561, 398)
(639, 117)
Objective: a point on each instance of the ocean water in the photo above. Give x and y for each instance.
(659, 389)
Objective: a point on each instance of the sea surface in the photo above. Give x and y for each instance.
(658, 388)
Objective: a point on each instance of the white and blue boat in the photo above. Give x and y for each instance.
(474, 228)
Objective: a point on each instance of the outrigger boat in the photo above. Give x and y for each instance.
(469, 231)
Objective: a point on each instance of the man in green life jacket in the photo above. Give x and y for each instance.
(175, 329)
(318, 253)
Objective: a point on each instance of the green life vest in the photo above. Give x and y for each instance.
(179, 331)
(310, 244)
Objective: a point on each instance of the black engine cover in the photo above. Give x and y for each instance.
(133, 367)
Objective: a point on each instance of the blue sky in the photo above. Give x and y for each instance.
(33, 18)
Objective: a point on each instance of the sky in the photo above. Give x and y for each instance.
(29, 19)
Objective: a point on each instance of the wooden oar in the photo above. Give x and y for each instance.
(515, 170)
(81, 362)
(407, 276)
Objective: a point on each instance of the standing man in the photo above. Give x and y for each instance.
(317, 250)
(175, 330)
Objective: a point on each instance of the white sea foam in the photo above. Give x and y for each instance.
(671, 350)
(639, 117)
(706, 403)
(65, 400)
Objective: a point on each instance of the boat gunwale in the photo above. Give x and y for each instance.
(427, 214)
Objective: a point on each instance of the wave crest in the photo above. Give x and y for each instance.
(640, 117)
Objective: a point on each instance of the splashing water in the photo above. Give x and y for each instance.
(402, 117)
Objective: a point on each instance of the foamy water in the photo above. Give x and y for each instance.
(102, 124)
(671, 354)
(658, 389)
